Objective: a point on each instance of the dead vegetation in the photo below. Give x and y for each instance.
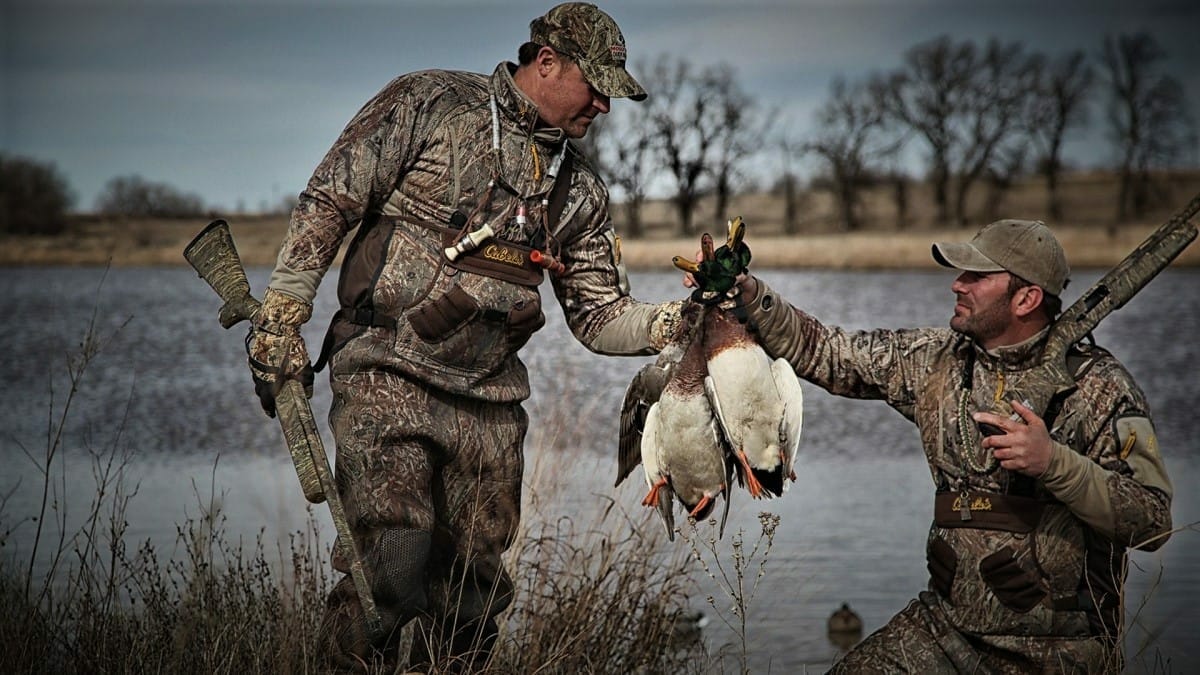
(1090, 234)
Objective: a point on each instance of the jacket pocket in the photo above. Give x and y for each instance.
(943, 565)
(525, 319)
(436, 320)
(1015, 587)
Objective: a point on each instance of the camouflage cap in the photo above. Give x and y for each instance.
(1025, 248)
(592, 39)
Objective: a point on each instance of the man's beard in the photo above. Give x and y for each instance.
(983, 324)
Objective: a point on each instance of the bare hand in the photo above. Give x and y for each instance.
(1024, 445)
(689, 281)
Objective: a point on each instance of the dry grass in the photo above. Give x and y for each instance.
(601, 598)
(1089, 234)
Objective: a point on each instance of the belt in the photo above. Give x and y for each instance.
(987, 511)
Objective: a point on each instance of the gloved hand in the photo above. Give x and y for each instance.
(276, 349)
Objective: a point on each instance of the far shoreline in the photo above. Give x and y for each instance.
(161, 243)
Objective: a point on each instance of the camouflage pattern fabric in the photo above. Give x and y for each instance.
(414, 156)
(922, 640)
(427, 388)
(1050, 595)
(412, 460)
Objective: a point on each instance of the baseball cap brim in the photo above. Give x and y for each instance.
(612, 81)
(963, 256)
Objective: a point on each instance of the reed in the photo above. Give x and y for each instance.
(595, 598)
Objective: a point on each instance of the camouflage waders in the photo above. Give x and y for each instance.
(922, 640)
(431, 485)
(424, 348)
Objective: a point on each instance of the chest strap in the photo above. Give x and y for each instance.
(494, 258)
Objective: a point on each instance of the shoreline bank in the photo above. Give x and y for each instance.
(159, 243)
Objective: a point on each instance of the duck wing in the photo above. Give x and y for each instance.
(661, 494)
(729, 436)
(641, 394)
(792, 421)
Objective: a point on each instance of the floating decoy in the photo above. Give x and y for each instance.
(687, 626)
(845, 627)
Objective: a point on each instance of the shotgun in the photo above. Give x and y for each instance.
(215, 258)
(1051, 380)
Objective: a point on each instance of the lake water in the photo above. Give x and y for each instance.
(171, 386)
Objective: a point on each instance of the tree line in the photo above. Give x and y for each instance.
(978, 114)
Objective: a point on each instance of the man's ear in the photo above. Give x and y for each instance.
(1027, 299)
(546, 60)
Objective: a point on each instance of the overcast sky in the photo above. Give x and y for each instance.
(238, 101)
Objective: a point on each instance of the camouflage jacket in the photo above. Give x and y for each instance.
(1057, 573)
(410, 170)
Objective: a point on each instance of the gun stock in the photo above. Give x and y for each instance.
(1051, 378)
(214, 257)
(1130, 275)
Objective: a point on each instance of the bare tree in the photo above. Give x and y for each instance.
(622, 146)
(1147, 115)
(788, 184)
(135, 196)
(34, 197)
(1001, 173)
(1059, 105)
(996, 103)
(689, 120)
(926, 94)
(741, 131)
(849, 127)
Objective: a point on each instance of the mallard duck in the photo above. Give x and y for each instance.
(677, 438)
(757, 401)
(646, 388)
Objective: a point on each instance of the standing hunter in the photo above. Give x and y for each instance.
(1032, 515)
(465, 191)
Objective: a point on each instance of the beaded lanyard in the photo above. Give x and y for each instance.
(966, 439)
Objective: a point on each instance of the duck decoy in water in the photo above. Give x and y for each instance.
(845, 627)
(687, 626)
(668, 424)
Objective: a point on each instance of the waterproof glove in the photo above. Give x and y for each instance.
(276, 349)
(718, 269)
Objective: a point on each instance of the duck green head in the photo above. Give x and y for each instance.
(718, 269)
